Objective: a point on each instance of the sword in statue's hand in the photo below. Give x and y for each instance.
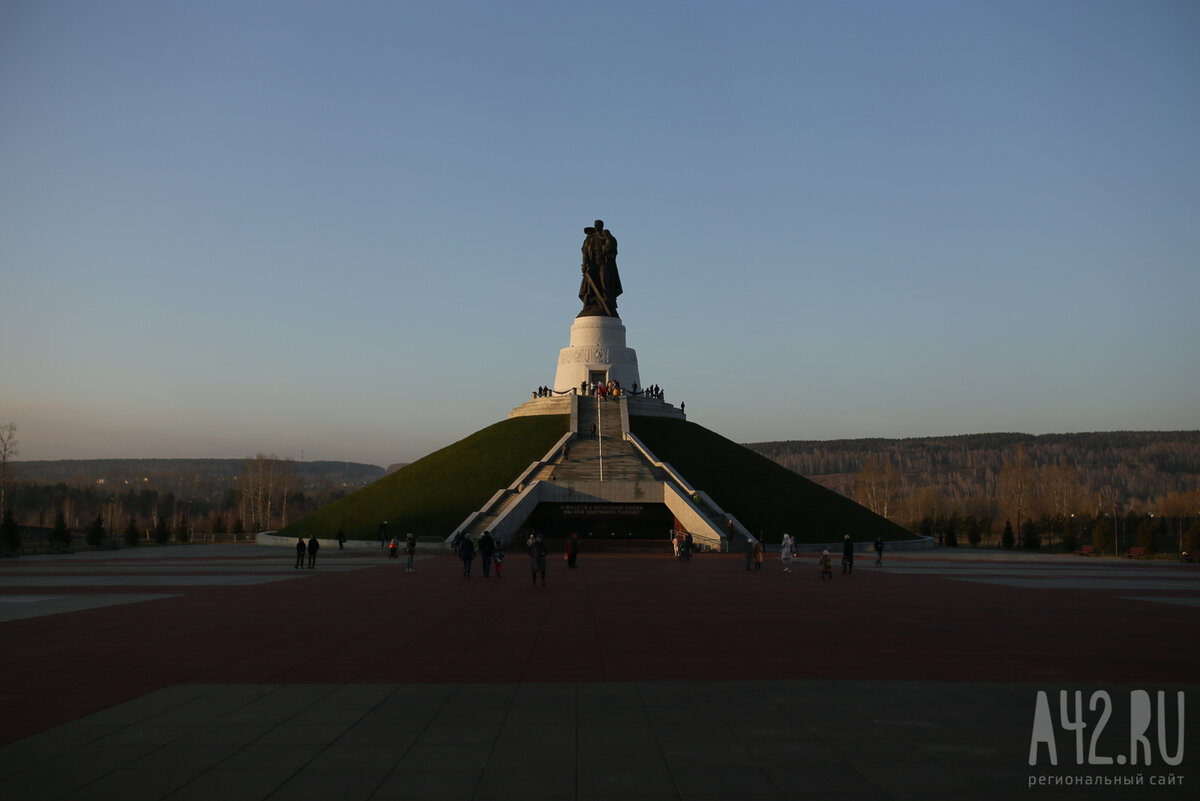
(599, 296)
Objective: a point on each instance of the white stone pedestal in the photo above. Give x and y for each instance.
(597, 353)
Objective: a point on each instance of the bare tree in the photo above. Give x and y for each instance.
(1060, 486)
(8, 449)
(876, 484)
(264, 473)
(1014, 484)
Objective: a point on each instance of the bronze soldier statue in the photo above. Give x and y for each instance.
(601, 282)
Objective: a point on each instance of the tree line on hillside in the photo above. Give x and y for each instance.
(166, 504)
(1018, 489)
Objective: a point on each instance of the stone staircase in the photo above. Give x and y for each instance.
(599, 463)
(607, 455)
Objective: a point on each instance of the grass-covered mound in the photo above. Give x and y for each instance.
(764, 495)
(431, 496)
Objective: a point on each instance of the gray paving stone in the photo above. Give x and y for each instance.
(450, 784)
(314, 784)
(227, 784)
(617, 779)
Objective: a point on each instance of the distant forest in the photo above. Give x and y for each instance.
(1008, 477)
(1109, 488)
(174, 498)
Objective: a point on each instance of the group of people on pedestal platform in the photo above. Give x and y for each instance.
(602, 389)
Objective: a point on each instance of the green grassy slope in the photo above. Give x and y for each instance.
(431, 496)
(766, 497)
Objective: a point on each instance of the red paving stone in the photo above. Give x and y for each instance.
(616, 618)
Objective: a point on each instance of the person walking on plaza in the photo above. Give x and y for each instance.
(410, 548)
(383, 535)
(758, 555)
(749, 552)
(878, 552)
(572, 549)
(394, 549)
(825, 565)
(300, 551)
(785, 553)
(341, 538)
(466, 552)
(499, 556)
(487, 546)
(313, 547)
(847, 555)
(537, 557)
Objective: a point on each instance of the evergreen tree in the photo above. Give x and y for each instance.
(60, 536)
(952, 525)
(1006, 541)
(1191, 538)
(94, 535)
(974, 530)
(1069, 541)
(10, 533)
(1033, 536)
(1102, 536)
(131, 534)
(1145, 534)
(162, 532)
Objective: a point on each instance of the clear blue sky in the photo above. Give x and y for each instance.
(352, 229)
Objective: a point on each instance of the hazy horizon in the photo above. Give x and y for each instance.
(352, 231)
(20, 459)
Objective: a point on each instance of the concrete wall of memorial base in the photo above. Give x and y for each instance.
(506, 526)
(597, 346)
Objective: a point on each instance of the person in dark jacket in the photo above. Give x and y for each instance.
(313, 547)
(572, 549)
(487, 546)
(878, 551)
(410, 548)
(847, 555)
(300, 551)
(466, 552)
(537, 557)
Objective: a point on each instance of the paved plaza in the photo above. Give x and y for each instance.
(223, 672)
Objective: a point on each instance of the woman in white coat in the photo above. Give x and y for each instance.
(785, 552)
